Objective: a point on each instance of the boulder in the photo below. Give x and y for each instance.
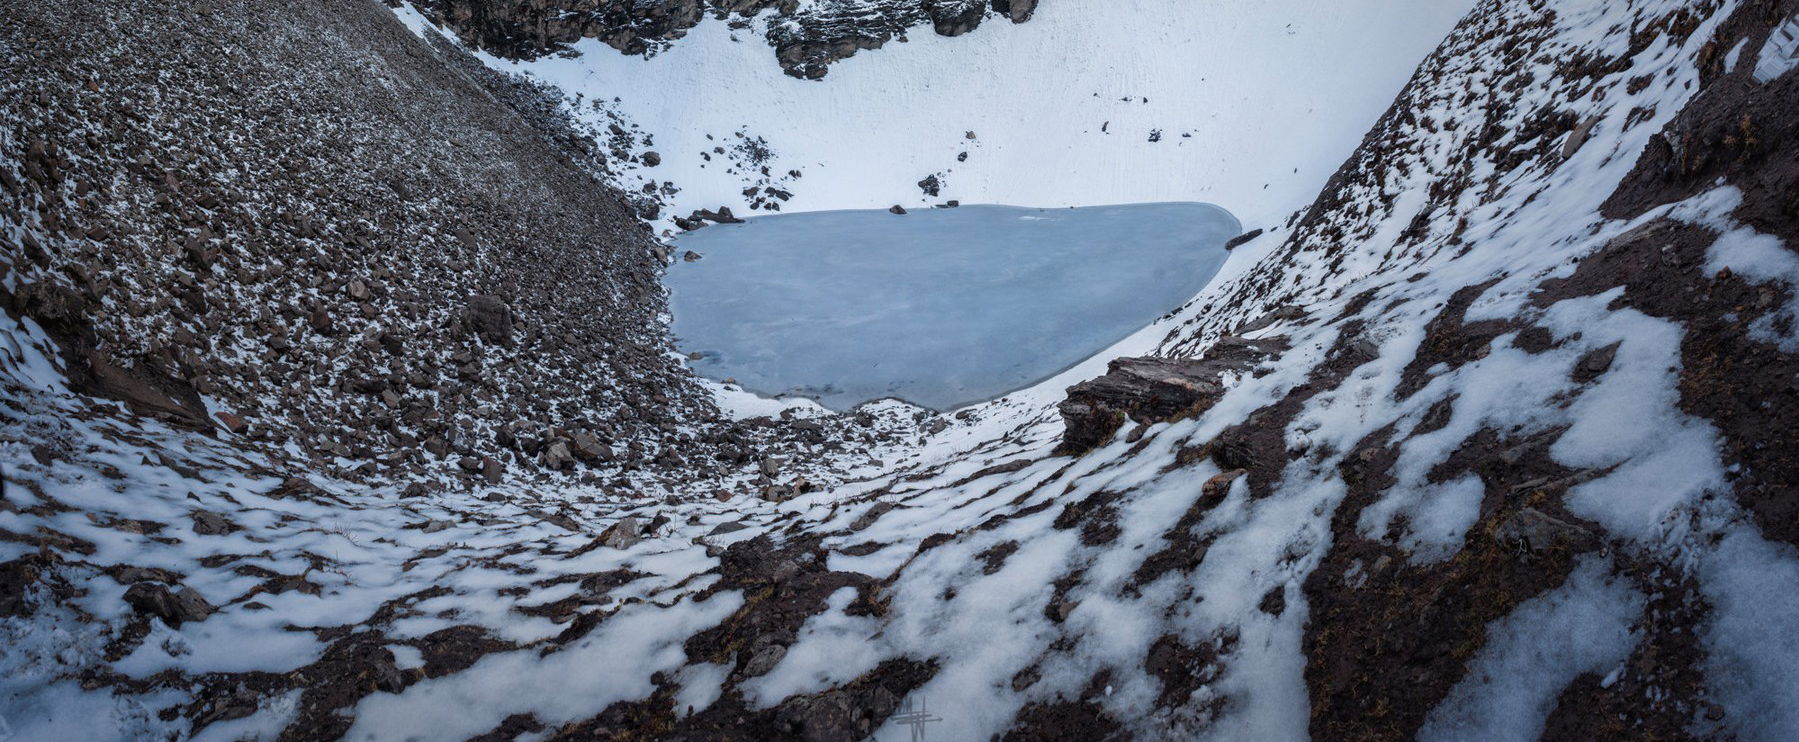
(589, 448)
(293, 487)
(764, 658)
(489, 317)
(557, 456)
(236, 425)
(1242, 239)
(1153, 390)
(1018, 11)
(722, 216)
(173, 607)
(1579, 136)
(771, 466)
(955, 17)
(208, 523)
(624, 534)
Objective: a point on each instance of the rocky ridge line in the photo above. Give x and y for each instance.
(806, 37)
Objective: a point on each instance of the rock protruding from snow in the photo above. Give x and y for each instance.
(174, 607)
(1018, 11)
(1242, 239)
(1152, 390)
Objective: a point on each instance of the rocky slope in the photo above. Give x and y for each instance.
(1492, 441)
(351, 244)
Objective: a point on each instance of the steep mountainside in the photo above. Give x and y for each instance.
(343, 243)
(1493, 440)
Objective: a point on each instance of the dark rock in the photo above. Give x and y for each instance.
(651, 159)
(764, 658)
(489, 317)
(589, 448)
(437, 447)
(1009, 467)
(293, 487)
(16, 580)
(557, 456)
(1242, 239)
(896, 209)
(1152, 390)
(1018, 11)
(1537, 531)
(954, 17)
(722, 216)
(624, 534)
(174, 608)
(867, 519)
(320, 322)
(126, 574)
(208, 523)
(1274, 602)
(725, 528)
(1592, 365)
(1579, 136)
(931, 186)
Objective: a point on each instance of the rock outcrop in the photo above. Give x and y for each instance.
(806, 37)
(1152, 390)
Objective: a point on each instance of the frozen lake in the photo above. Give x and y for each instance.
(939, 307)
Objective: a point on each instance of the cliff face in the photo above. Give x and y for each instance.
(806, 37)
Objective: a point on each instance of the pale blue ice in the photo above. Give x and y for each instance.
(939, 307)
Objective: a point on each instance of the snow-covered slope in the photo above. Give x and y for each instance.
(1252, 106)
(1519, 467)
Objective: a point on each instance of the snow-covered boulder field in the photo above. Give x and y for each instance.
(1488, 435)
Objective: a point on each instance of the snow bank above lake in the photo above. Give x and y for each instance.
(1248, 105)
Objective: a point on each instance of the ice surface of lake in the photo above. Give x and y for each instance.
(940, 307)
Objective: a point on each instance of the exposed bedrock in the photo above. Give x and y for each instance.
(806, 37)
(1152, 390)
